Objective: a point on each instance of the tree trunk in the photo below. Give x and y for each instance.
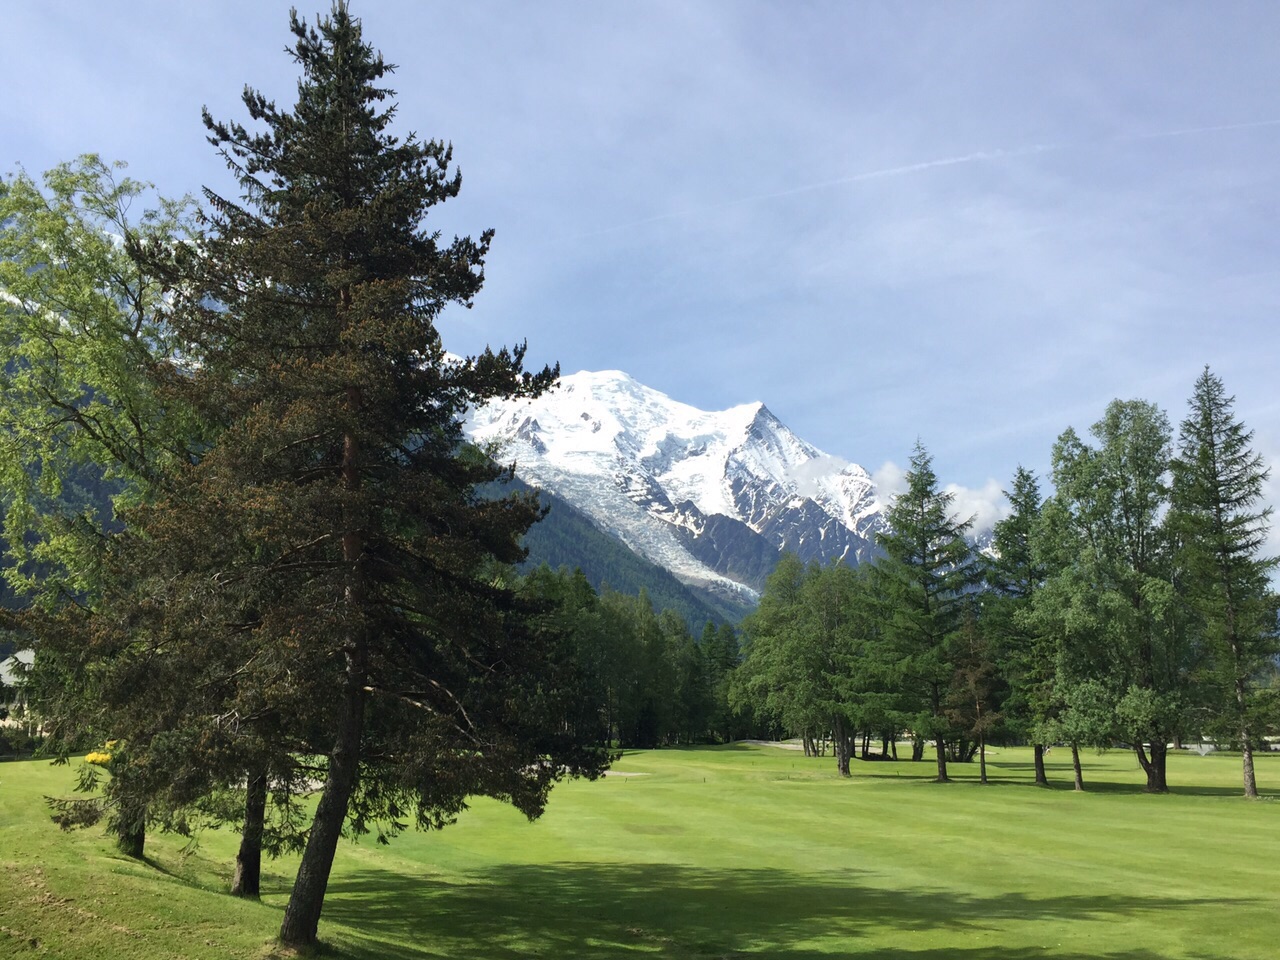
(1042, 780)
(982, 759)
(130, 822)
(1154, 767)
(1075, 767)
(893, 745)
(940, 745)
(131, 839)
(1246, 753)
(302, 915)
(1246, 743)
(247, 881)
(917, 749)
(840, 743)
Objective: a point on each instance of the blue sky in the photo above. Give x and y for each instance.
(972, 223)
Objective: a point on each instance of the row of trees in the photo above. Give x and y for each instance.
(1131, 606)
(305, 577)
(645, 679)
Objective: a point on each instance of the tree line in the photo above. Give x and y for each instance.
(1131, 606)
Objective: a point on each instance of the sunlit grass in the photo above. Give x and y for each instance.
(708, 853)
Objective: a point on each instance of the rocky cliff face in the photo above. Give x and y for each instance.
(713, 497)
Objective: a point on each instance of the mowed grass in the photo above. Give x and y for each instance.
(712, 853)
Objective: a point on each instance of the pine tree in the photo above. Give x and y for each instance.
(330, 559)
(923, 576)
(1217, 487)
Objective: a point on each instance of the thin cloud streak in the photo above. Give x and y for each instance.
(1192, 131)
(904, 170)
(980, 156)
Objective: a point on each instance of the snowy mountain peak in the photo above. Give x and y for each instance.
(711, 496)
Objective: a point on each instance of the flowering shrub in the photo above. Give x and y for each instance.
(102, 758)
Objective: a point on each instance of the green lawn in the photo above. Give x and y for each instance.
(712, 853)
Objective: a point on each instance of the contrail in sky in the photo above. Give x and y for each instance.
(981, 156)
(1188, 131)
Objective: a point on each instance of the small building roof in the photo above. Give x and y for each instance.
(13, 670)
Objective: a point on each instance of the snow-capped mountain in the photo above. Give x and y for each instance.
(711, 496)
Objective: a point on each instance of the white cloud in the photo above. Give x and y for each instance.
(985, 505)
(808, 474)
(890, 480)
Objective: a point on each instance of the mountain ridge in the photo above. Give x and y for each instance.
(712, 496)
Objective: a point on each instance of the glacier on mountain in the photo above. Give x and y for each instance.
(711, 496)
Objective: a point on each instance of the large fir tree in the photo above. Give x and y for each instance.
(923, 576)
(329, 558)
(1217, 488)
(1025, 653)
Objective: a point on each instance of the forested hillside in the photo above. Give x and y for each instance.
(567, 538)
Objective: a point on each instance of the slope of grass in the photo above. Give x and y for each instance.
(712, 853)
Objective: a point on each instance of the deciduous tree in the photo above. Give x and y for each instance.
(84, 429)
(1118, 575)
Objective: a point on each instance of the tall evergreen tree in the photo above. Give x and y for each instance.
(923, 576)
(1025, 653)
(333, 537)
(1217, 487)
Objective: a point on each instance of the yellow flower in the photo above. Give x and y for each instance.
(98, 758)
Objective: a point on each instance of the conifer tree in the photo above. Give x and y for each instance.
(1025, 653)
(1217, 488)
(926, 569)
(329, 558)
(977, 690)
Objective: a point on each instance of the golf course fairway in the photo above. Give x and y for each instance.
(709, 852)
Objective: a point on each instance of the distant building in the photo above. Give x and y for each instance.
(13, 682)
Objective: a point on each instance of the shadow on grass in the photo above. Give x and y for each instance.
(599, 911)
(1061, 776)
(1008, 773)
